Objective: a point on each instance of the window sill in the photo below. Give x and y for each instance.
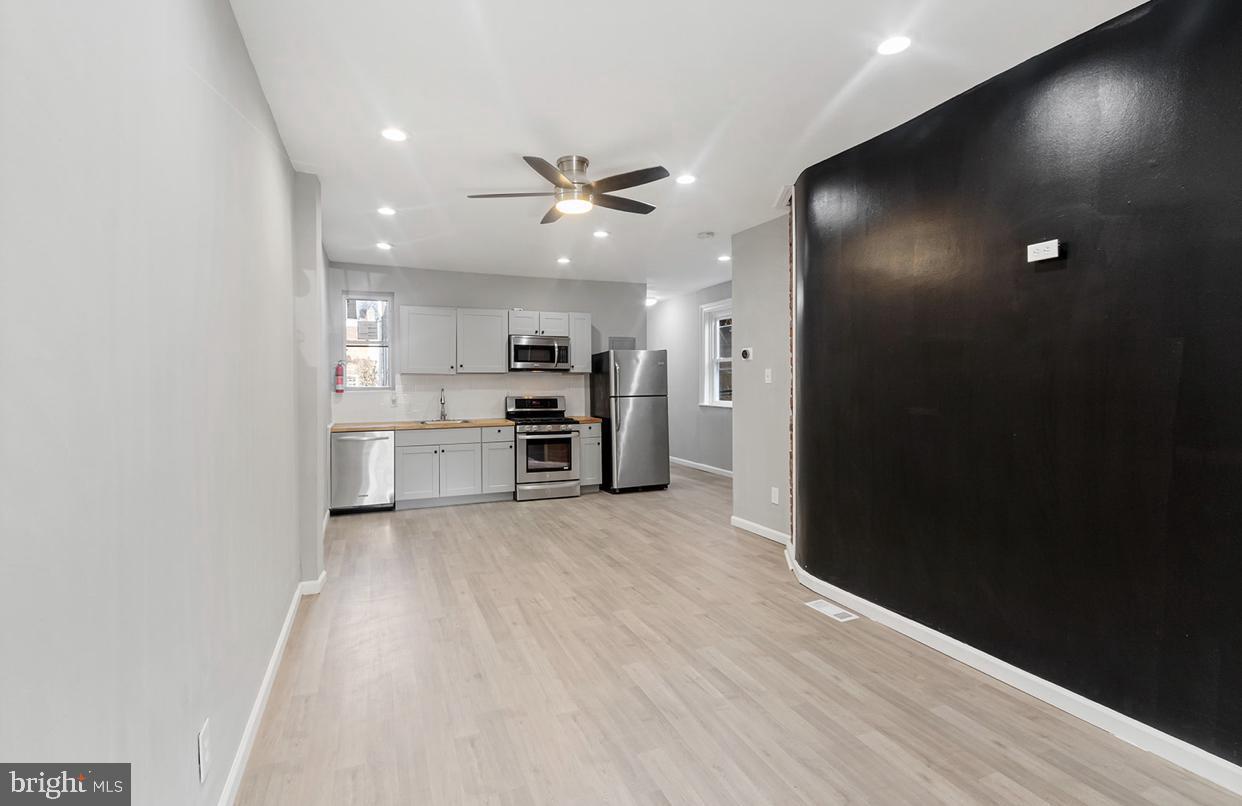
(716, 405)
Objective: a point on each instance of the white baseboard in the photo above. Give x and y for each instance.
(760, 529)
(1185, 755)
(719, 471)
(238, 768)
(309, 587)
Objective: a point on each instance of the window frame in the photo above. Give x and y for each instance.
(388, 342)
(710, 315)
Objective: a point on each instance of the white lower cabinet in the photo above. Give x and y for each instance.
(592, 461)
(460, 470)
(498, 467)
(418, 472)
(453, 463)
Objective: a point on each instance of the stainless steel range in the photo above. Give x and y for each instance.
(548, 452)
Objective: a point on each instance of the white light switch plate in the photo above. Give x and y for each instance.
(1045, 250)
(767, 375)
(776, 495)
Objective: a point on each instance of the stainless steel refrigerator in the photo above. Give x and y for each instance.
(629, 392)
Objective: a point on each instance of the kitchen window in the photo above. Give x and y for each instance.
(717, 320)
(368, 341)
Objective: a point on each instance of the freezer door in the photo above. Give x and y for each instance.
(639, 431)
(362, 469)
(639, 372)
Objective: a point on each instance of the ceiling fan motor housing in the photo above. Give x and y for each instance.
(574, 167)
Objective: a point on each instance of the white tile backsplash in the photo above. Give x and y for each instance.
(417, 397)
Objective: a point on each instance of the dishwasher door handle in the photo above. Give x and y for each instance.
(360, 439)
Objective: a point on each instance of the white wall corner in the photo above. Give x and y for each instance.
(1185, 755)
(761, 530)
(310, 587)
(718, 471)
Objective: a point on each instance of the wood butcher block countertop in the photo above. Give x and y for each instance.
(415, 425)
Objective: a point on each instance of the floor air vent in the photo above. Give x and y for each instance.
(831, 611)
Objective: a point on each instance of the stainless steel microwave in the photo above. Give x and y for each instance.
(539, 353)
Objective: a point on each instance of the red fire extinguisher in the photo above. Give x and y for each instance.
(340, 376)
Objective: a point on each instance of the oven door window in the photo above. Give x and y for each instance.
(534, 354)
(547, 454)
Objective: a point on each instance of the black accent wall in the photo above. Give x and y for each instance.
(1043, 460)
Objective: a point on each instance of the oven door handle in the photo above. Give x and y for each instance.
(553, 435)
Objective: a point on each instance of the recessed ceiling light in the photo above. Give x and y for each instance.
(396, 135)
(599, 233)
(386, 211)
(895, 44)
(562, 260)
(724, 258)
(384, 245)
(651, 301)
(686, 179)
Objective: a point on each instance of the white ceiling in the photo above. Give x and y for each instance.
(742, 94)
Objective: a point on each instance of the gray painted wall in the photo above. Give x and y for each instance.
(312, 375)
(617, 309)
(147, 503)
(761, 411)
(697, 433)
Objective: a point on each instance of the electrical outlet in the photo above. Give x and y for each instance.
(776, 495)
(204, 750)
(767, 375)
(1045, 250)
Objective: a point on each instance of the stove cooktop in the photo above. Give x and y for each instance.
(542, 420)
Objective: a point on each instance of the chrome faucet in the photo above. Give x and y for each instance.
(443, 410)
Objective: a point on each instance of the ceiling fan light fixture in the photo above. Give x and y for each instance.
(574, 206)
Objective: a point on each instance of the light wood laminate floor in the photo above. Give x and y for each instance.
(637, 649)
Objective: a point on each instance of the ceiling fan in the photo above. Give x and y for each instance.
(575, 195)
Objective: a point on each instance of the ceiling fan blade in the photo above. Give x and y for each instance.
(553, 214)
(549, 172)
(505, 195)
(628, 180)
(622, 204)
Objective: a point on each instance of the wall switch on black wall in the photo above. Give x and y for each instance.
(1044, 250)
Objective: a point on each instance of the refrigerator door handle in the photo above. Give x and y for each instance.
(616, 377)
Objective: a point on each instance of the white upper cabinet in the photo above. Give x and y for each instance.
(428, 340)
(538, 323)
(481, 340)
(553, 324)
(580, 342)
(523, 323)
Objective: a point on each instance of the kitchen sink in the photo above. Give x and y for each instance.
(442, 422)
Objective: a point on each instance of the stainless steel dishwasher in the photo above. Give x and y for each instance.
(362, 470)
